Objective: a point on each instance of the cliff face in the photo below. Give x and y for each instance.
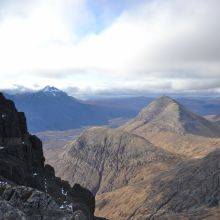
(22, 163)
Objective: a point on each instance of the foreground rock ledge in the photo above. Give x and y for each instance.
(28, 187)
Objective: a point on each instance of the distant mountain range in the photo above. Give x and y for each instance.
(199, 105)
(52, 109)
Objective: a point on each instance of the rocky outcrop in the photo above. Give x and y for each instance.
(21, 201)
(22, 163)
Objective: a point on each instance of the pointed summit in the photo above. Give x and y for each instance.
(167, 115)
(165, 98)
(51, 90)
(158, 106)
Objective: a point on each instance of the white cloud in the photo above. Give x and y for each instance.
(158, 44)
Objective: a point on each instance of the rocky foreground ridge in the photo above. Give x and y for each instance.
(29, 189)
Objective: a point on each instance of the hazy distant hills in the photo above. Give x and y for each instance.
(198, 105)
(53, 109)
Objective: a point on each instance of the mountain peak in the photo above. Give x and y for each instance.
(165, 97)
(158, 106)
(51, 90)
(165, 100)
(166, 114)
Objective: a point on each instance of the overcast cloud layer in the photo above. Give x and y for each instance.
(95, 46)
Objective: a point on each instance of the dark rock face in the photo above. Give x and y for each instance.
(22, 163)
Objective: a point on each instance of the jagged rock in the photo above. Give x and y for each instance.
(27, 199)
(22, 163)
(9, 212)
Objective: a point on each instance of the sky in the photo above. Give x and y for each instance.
(105, 47)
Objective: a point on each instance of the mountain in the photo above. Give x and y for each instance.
(189, 190)
(163, 164)
(166, 114)
(63, 112)
(52, 109)
(118, 163)
(168, 124)
(113, 158)
(29, 187)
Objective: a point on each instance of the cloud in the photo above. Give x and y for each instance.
(170, 45)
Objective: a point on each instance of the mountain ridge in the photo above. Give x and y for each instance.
(143, 184)
(52, 109)
(107, 154)
(166, 114)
